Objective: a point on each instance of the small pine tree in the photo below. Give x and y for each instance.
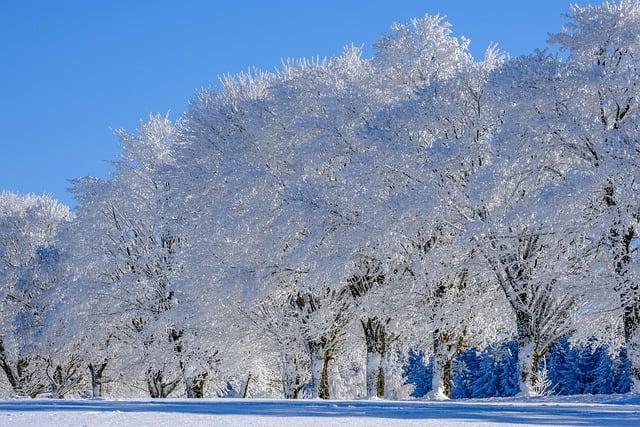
(587, 370)
(603, 373)
(544, 386)
(563, 368)
(459, 378)
(485, 383)
(507, 370)
(621, 376)
(465, 370)
(418, 374)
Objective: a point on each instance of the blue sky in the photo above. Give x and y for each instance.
(72, 71)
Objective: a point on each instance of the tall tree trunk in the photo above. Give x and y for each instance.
(97, 372)
(381, 387)
(324, 392)
(319, 357)
(375, 374)
(291, 382)
(527, 367)
(375, 338)
(529, 355)
(441, 380)
(316, 359)
(444, 351)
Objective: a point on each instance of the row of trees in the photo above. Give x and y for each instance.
(296, 233)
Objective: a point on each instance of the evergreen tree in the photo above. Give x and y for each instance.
(621, 376)
(460, 389)
(603, 373)
(563, 368)
(507, 370)
(485, 382)
(418, 374)
(586, 370)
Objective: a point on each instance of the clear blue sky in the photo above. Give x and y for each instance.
(72, 71)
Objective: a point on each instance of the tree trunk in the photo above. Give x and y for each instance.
(153, 384)
(245, 390)
(375, 338)
(19, 379)
(630, 304)
(444, 351)
(63, 378)
(375, 375)
(441, 381)
(316, 358)
(380, 385)
(529, 355)
(527, 367)
(324, 379)
(291, 383)
(156, 385)
(97, 372)
(21, 375)
(632, 343)
(194, 386)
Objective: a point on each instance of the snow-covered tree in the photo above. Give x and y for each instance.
(303, 232)
(602, 86)
(28, 260)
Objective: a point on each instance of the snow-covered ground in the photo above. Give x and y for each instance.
(583, 411)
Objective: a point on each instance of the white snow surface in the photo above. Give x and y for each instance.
(617, 410)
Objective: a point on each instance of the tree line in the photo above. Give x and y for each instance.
(303, 232)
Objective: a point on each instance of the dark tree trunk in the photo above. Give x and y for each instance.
(324, 379)
(245, 389)
(530, 353)
(97, 372)
(375, 339)
(446, 377)
(380, 383)
(157, 386)
(20, 377)
(195, 386)
(63, 378)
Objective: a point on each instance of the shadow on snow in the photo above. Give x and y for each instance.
(515, 412)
